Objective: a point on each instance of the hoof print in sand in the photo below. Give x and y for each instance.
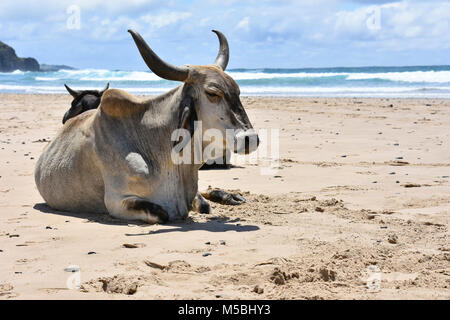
(327, 274)
(280, 277)
(117, 284)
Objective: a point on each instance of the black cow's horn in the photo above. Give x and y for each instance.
(224, 52)
(72, 92)
(156, 64)
(106, 88)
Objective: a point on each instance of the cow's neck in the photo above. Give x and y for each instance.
(178, 183)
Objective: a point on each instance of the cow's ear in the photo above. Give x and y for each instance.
(187, 115)
(186, 120)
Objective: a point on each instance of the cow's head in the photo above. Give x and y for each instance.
(214, 94)
(83, 100)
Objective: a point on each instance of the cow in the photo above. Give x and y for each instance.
(118, 158)
(90, 99)
(82, 101)
(85, 100)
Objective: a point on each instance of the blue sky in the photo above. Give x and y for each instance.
(262, 33)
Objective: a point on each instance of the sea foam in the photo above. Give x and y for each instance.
(428, 81)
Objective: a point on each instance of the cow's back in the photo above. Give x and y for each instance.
(67, 174)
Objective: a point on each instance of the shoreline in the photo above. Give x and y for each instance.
(332, 82)
(261, 96)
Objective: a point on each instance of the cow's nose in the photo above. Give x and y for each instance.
(246, 142)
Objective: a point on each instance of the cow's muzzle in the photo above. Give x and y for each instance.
(246, 141)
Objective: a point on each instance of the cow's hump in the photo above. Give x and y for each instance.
(119, 103)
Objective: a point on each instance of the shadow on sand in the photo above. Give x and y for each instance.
(223, 224)
(102, 218)
(215, 166)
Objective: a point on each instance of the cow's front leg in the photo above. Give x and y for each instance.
(135, 208)
(223, 197)
(200, 204)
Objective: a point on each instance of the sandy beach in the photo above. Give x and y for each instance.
(362, 191)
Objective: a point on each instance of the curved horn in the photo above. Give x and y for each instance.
(224, 52)
(72, 92)
(156, 64)
(106, 88)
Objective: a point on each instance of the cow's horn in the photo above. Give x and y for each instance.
(156, 64)
(72, 92)
(224, 51)
(106, 88)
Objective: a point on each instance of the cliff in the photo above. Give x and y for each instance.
(9, 61)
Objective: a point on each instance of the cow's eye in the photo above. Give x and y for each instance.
(213, 95)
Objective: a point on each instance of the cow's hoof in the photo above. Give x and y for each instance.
(224, 197)
(204, 208)
(162, 214)
(239, 198)
(234, 199)
(201, 205)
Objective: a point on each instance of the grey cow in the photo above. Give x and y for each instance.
(84, 100)
(117, 158)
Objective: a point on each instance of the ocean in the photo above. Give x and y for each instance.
(401, 82)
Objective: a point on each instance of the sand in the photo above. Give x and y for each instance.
(358, 209)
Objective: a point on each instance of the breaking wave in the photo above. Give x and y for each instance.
(426, 81)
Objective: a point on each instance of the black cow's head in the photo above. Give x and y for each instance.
(83, 100)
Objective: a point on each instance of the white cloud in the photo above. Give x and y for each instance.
(244, 24)
(165, 19)
(400, 22)
(205, 21)
(115, 29)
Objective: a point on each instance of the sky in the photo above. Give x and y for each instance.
(261, 33)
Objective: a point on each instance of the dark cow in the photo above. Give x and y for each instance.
(83, 100)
